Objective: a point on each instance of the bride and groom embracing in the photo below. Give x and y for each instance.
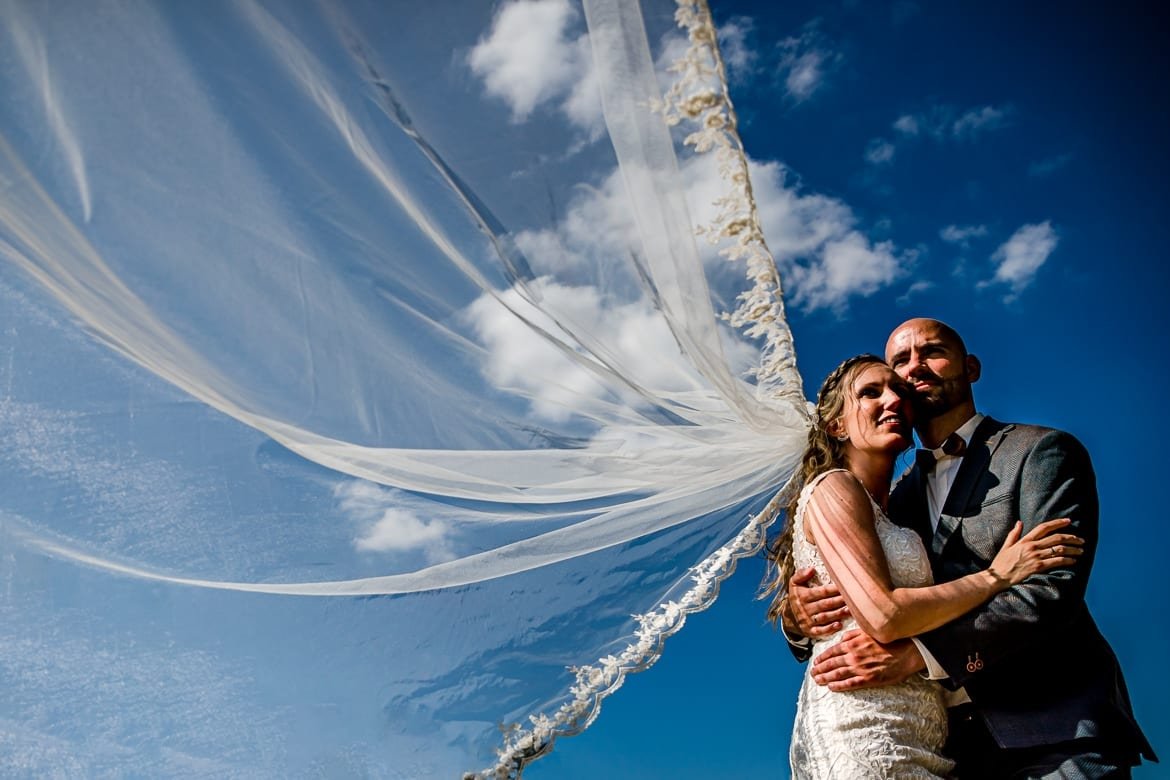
(945, 616)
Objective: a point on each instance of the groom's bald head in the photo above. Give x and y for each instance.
(932, 357)
(928, 328)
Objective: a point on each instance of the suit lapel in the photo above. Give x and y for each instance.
(984, 442)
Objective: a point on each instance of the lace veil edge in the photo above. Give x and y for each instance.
(698, 97)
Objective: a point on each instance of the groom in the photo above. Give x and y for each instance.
(1035, 689)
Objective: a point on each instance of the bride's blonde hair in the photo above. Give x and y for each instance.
(822, 453)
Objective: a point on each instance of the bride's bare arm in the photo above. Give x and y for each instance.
(839, 519)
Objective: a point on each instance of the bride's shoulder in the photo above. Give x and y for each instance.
(833, 501)
(834, 478)
(837, 487)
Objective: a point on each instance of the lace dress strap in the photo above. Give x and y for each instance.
(879, 514)
(807, 490)
(801, 537)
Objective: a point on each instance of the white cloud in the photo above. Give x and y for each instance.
(1019, 258)
(976, 121)
(824, 259)
(847, 266)
(556, 375)
(944, 122)
(916, 288)
(587, 286)
(804, 63)
(583, 105)
(398, 529)
(906, 125)
(671, 49)
(962, 235)
(529, 58)
(880, 152)
(739, 58)
(526, 57)
(823, 256)
(592, 238)
(386, 526)
(804, 73)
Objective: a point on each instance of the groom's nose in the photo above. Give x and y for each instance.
(915, 365)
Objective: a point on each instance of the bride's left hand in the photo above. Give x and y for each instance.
(1043, 548)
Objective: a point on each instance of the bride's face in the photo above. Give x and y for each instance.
(877, 415)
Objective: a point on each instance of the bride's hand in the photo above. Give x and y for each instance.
(1040, 549)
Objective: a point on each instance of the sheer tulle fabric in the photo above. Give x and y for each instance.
(390, 303)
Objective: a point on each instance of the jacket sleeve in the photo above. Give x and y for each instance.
(801, 647)
(1055, 479)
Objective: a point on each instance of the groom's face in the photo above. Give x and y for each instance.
(932, 358)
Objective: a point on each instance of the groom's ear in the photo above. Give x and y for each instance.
(974, 369)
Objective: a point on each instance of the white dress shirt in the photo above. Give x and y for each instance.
(939, 481)
(938, 487)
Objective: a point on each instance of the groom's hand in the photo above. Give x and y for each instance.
(859, 661)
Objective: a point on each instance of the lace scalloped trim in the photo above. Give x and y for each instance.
(698, 96)
(596, 681)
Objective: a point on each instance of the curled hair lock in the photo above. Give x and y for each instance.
(822, 453)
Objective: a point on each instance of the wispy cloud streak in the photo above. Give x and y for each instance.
(805, 63)
(940, 123)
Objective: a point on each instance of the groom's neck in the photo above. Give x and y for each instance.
(934, 431)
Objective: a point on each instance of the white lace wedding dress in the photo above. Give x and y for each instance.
(891, 732)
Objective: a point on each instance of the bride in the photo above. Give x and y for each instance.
(837, 526)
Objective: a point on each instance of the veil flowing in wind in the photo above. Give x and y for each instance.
(373, 376)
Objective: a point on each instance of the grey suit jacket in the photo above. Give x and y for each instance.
(1032, 660)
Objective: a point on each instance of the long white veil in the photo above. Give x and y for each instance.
(397, 304)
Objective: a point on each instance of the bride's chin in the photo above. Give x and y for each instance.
(901, 444)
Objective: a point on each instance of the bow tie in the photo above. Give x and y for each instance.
(954, 445)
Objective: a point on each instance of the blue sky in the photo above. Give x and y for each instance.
(949, 129)
(994, 166)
